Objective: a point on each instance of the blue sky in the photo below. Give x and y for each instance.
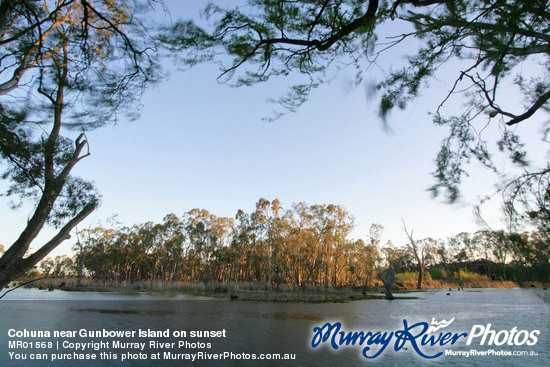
(201, 144)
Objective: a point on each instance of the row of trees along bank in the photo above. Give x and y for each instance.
(307, 245)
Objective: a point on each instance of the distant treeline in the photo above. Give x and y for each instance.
(307, 245)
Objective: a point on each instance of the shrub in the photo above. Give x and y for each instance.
(470, 277)
(437, 273)
(411, 276)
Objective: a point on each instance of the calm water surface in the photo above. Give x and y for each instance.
(262, 327)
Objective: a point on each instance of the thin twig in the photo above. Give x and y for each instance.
(20, 285)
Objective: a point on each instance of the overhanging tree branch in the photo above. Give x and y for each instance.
(62, 235)
(531, 111)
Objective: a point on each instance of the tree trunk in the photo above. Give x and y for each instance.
(388, 284)
(80, 258)
(420, 277)
(12, 263)
(16, 266)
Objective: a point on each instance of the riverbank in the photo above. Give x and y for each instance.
(234, 291)
(260, 291)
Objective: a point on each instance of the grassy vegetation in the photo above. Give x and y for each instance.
(405, 282)
(244, 291)
(439, 279)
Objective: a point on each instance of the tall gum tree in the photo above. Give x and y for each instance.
(64, 65)
(421, 250)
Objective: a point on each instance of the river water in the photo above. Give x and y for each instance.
(284, 328)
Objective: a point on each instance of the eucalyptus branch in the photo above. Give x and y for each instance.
(541, 101)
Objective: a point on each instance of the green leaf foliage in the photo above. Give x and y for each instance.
(489, 49)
